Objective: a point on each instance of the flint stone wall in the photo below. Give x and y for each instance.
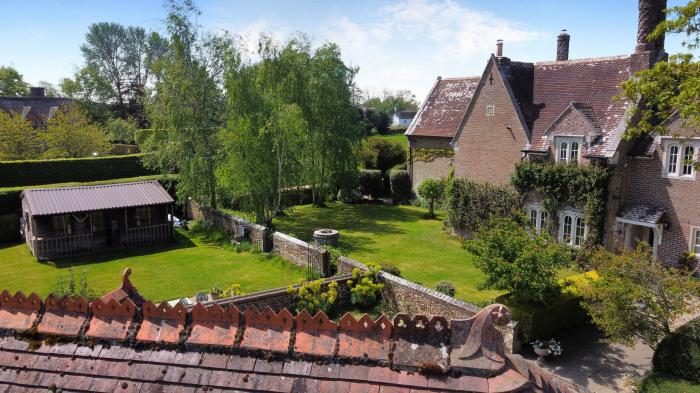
(403, 296)
(301, 253)
(236, 227)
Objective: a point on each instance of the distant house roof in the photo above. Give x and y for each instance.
(405, 115)
(112, 345)
(444, 108)
(33, 108)
(47, 201)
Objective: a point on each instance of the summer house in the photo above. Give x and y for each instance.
(60, 222)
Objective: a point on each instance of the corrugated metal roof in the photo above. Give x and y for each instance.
(48, 201)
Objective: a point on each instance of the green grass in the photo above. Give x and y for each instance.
(394, 235)
(657, 383)
(164, 272)
(401, 138)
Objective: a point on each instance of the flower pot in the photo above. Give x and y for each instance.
(541, 353)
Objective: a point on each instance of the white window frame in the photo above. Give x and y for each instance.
(575, 215)
(680, 162)
(695, 241)
(490, 110)
(564, 155)
(540, 223)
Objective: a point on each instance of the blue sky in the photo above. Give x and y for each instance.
(398, 44)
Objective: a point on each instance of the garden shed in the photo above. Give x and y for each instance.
(60, 222)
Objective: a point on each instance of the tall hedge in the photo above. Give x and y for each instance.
(470, 203)
(371, 183)
(38, 172)
(400, 185)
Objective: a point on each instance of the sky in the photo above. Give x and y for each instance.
(397, 44)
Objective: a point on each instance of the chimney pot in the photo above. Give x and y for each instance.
(499, 48)
(563, 45)
(37, 92)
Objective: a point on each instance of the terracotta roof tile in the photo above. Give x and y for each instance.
(18, 312)
(161, 323)
(214, 325)
(443, 109)
(64, 316)
(408, 354)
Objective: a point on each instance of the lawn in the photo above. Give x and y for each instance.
(164, 272)
(657, 383)
(401, 138)
(394, 235)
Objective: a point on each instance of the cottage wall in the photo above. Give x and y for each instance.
(643, 183)
(437, 168)
(486, 150)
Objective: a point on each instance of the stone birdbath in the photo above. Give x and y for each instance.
(326, 237)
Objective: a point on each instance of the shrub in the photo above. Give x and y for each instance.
(120, 130)
(678, 353)
(365, 287)
(39, 172)
(400, 185)
(516, 260)
(446, 287)
(391, 269)
(371, 183)
(314, 296)
(382, 154)
(431, 190)
(68, 286)
(349, 195)
(470, 203)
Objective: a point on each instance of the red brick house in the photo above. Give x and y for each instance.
(567, 111)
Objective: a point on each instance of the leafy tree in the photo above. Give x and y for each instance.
(382, 154)
(636, 296)
(390, 101)
(12, 82)
(431, 190)
(672, 86)
(187, 109)
(516, 259)
(70, 134)
(50, 90)
(120, 130)
(18, 139)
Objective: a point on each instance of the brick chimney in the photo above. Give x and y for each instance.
(37, 92)
(563, 46)
(499, 48)
(646, 53)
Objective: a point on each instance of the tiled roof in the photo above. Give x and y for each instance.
(41, 107)
(118, 346)
(639, 212)
(444, 108)
(45, 201)
(594, 82)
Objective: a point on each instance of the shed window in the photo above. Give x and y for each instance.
(142, 216)
(61, 225)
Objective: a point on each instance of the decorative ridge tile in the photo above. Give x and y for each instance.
(214, 325)
(364, 338)
(64, 316)
(477, 344)
(161, 323)
(421, 342)
(315, 335)
(111, 320)
(267, 330)
(18, 312)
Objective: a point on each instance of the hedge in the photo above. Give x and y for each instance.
(469, 203)
(371, 182)
(400, 185)
(9, 227)
(678, 354)
(544, 322)
(35, 172)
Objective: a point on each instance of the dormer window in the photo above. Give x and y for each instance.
(568, 149)
(680, 159)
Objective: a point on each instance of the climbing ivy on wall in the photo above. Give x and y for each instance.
(583, 187)
(431, 153)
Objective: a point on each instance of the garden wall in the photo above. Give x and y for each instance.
(64, 170)
(401, 295)
(235, 226)
(301, 253)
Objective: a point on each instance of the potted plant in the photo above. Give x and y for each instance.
(544, 348)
